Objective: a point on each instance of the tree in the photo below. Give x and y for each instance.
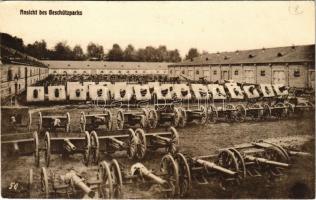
(115, 54)
(38, 49)
(193, 52)
(95, 51)
(78, 53)
(129, 53)
(174, 56)
(13, 42)
(62, 51)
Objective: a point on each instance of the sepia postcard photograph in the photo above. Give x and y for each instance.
(157, 99)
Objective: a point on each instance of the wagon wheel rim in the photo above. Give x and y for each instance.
(213, 116)
(30, 182)
(169, 168)
(120, 120)
(241, 113)
(185, 182)
(266, 110)
(177, 117)
(36, 149)
(47, 148)
(83, 122)
(40, 122)
(141, 143)
(87, 149)
(172, 147)
(142, 121)
(29, 120)
(44, 182)
(152, 118)
(109, 120)
(95, 147)
(106, 186)
(132, 144)
(204, 115)
(229, 162)
(68, 122)
(184, 118)
(145, 113)
(116, 179)
(283, 152)
(240, 162)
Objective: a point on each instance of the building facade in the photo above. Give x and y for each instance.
(107, 68)
(293, 66)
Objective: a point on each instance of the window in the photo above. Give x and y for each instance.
(297, 73)
(214, 72)
(183, 72)
(75, 72)
(110, 72)
(10, 75)
(119, 72)
(127, 72)
(197, 72)
(136, 72)
(236, 72)
(170, 71)
(101, 72)
(55, 72)
(262, 73)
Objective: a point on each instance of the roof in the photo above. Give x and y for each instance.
(303, 53)
(52, 64)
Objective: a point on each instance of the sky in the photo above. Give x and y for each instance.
(207, 26)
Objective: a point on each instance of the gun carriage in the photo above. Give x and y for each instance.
(189, 111)
(104, 182)
(53, 122)
(92, 121)
(219, 109)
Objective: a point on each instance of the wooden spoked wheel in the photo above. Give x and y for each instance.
(204, 115)
(152, 118)
(36, 149)
(116, 179)
(40, 122)
(184, 118)
(120, 120)
(185, 182)
(109, 120)
(87, 149)
(141, 144)
(173, 144)
(83, 122)
(44, 182)
(106, 186)
(176, 117)
(95, 147)
(227, 159)
(132, 144)
(68, 122)
(170, 171)
(241, 113)
(47, 148)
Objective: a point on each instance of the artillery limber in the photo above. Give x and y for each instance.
(53, 122)
(273, 107)
(131, 142)
(104, 182)
(192, 109)
(252, 109)
(92, 121)
(167, 180)
(219, 109)
(169, 139)
(65, 146)
(221, 168)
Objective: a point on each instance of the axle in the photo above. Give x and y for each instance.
(299, 153)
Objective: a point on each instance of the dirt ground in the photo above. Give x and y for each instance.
(297, 182)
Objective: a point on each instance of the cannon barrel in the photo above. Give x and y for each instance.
(216, 167)
(77, 181)
(148, 174)
(266, 161)
(69, 146)
(299, 153)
